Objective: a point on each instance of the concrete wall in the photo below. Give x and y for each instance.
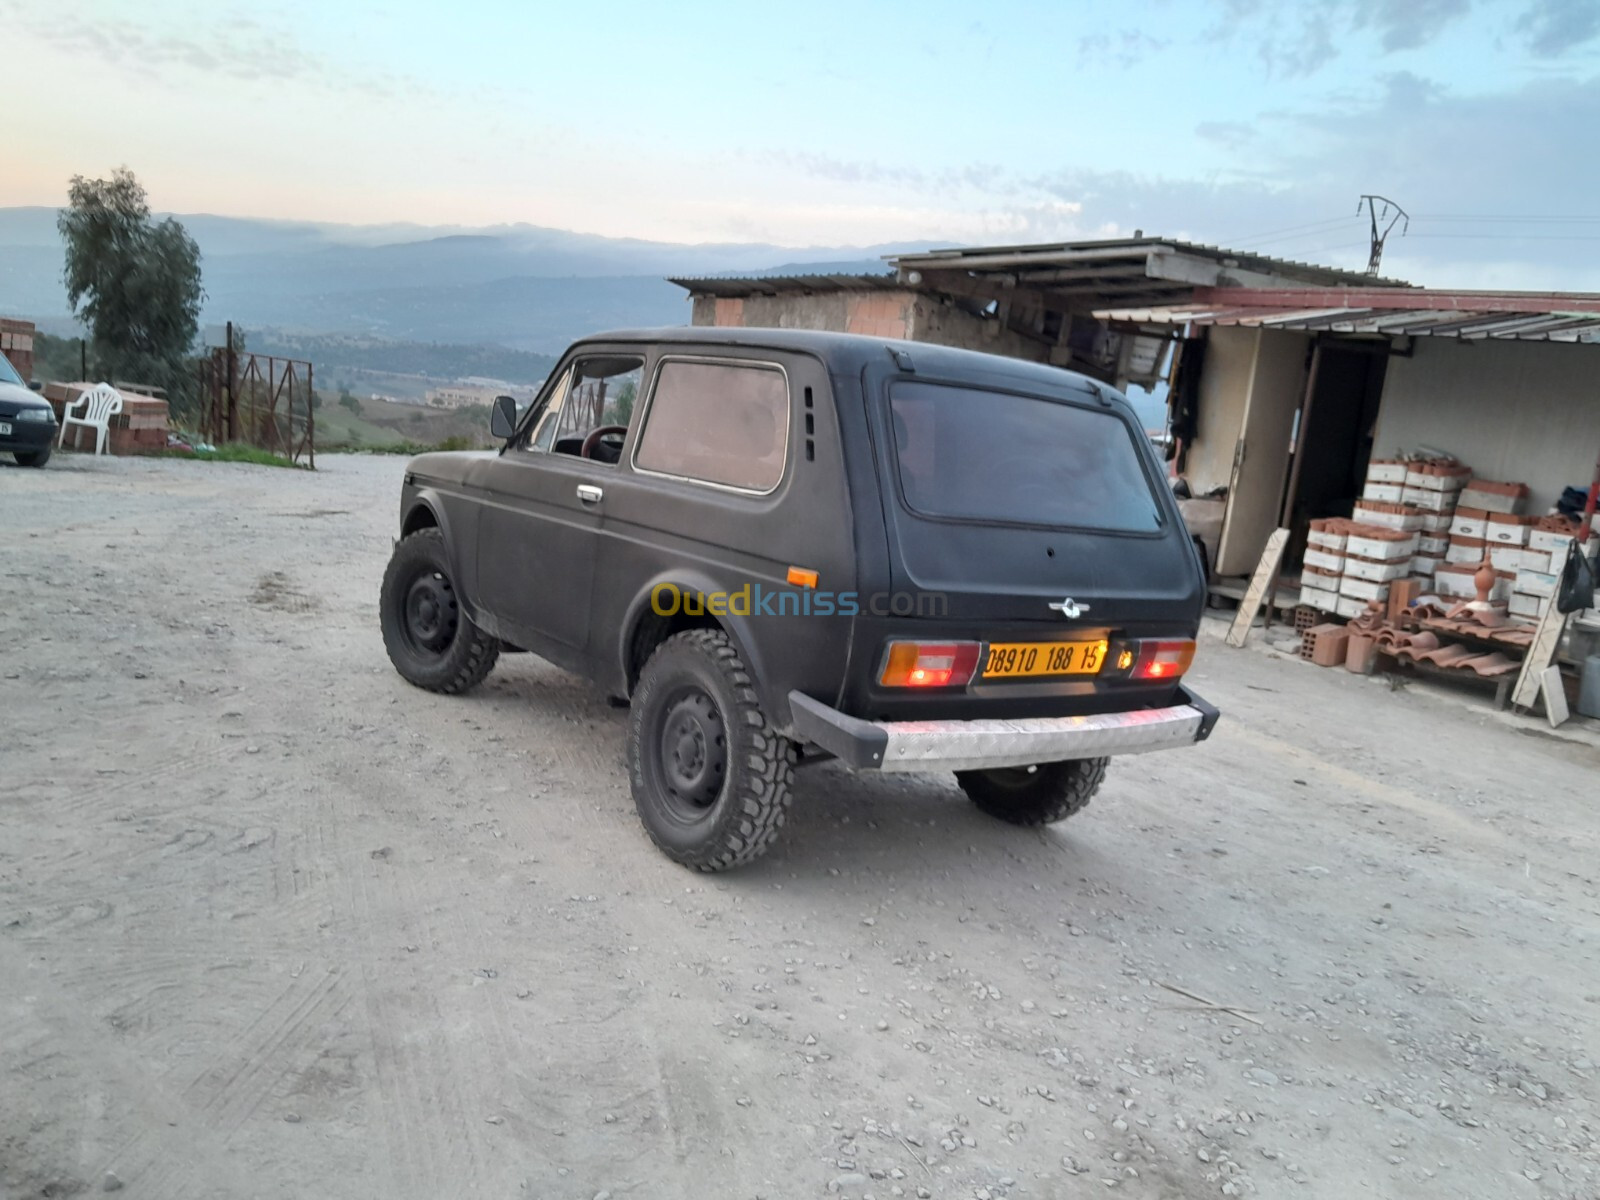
(876, 313)
(946, 325)
(872, 312)
(1527, 412)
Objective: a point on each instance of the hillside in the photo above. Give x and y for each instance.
(521, 286)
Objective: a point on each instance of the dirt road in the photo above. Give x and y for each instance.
(273, 923)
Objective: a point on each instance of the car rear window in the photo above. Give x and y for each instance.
(979, 455)
(721, 423)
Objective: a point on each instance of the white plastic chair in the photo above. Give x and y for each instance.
(97, 406)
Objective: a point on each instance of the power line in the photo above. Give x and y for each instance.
(1272, 233)
(1516, 237)
(1535, 218)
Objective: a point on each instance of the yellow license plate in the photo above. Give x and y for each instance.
(1022, 660)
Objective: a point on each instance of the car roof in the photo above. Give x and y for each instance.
(849, 352)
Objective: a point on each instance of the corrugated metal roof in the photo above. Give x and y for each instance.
(1062, 254)
(1472, 316)
(732, 286)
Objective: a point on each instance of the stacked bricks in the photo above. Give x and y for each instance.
(1486, 526)
(1433, 487)
(1349, 564)
(141, 427)
(16, 343)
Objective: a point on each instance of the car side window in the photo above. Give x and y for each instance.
(543, 430)
(717, 422)
(598, 406)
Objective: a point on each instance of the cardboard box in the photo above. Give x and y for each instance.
(1436, 522)
(1438, 479)
(1390, 493)
(1390, 516)
(1506, 530)
(1547, 539)
(1494, 497)
(1324, 539)
(1506, 558)
(1536, 583)
(1470, 522)
(1466, 550)
(1363, 589)
(1435, 502)
(1549, 562)
(1375, 571)
(1350, 607)
(1425, 565)
(1431, 544)
(1529, 606)
(1450, 579)
(1325, 559)
(1318, 598)
(1382, 549)
(1386, 471)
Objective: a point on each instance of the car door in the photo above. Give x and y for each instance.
(541, 503)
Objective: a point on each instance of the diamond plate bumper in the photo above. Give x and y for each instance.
(977, 745)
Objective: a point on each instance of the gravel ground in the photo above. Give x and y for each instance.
(273, 923)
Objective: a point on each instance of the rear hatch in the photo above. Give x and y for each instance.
(1023, 510)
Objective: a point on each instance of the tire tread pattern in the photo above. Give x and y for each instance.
(763, 781)
(1057, 792)
(474, 652)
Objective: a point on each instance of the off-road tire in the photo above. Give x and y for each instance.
(696, 684)
(31, 458)
(1037, 795)
(464, 653)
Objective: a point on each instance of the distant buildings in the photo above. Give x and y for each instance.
(477, 391)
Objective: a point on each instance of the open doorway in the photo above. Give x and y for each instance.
(1334, 435)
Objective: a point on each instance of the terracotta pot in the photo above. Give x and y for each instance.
(1484, 580)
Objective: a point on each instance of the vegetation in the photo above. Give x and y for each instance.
(135, 282)
(236, 452)
(346, 354)
(57, 358)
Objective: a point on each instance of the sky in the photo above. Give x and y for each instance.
(1248, 123)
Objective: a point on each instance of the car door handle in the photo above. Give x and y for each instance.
(590, 494)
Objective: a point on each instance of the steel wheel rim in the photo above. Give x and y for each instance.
(430, 614)
(691, 754)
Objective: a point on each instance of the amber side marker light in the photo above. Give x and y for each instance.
(801, 577)
(929, 664)
(1162, 660)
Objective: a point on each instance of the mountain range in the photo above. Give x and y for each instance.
(520, 286)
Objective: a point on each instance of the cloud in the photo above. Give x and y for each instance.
(1408, 24)
(1229, 134)
(1125, 49)
(1296, 40)
(1483, 176)
(1550, 28)
(238, 48)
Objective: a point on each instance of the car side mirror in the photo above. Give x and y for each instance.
(503, 420)
(36, 386)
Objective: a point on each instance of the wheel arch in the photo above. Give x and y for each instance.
(645, 628)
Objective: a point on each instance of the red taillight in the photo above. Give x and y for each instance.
(1162, 660)
(929, 664)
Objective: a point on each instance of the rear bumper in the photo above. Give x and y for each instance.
(927, 746)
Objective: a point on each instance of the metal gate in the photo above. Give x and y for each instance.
(260, 400)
